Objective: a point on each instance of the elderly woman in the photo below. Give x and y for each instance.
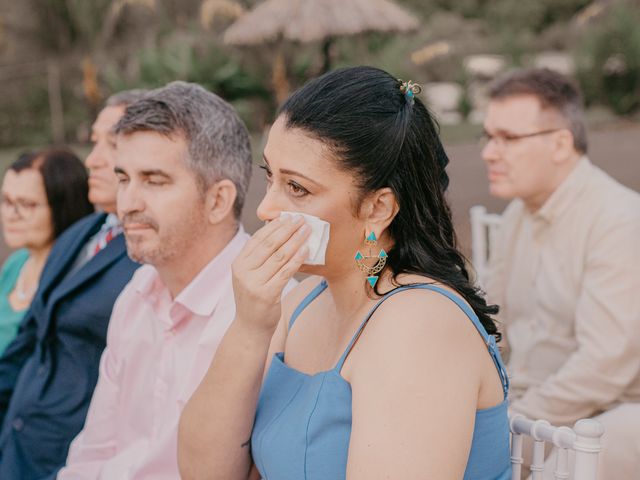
(42, 194)
(387, 366)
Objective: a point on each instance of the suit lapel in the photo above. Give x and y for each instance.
(114, 250)
(62, 260)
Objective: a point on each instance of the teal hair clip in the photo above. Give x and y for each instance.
(410, 89)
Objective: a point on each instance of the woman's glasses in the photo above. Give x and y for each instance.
(504, 139)
(21, 206)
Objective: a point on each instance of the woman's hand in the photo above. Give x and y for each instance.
(217, 421)
(264, 266)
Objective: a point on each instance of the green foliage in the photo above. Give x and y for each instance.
(301, 67)
(534, 15)
(177, 48)
(25, 118)
(63, 24)
(608, 61)
(518, 25)
(209, 65)
(465, 104)
(514, 26)
(466, 8)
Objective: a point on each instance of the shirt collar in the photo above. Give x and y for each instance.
(148, 282)
(203, 293)
(112, 220)
(566, 194)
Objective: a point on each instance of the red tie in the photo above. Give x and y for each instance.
(103, 243)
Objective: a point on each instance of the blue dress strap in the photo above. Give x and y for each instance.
(489, 340)
(306, 301)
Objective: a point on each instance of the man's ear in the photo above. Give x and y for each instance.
(219, 200)
(564, 149)
(379, 209)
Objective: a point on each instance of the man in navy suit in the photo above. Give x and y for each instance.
(48, 373)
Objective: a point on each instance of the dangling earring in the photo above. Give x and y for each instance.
(371, 242)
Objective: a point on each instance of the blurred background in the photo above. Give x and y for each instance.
(60, 59)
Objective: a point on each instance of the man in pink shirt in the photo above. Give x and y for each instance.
(183, 165)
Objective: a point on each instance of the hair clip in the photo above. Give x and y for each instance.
(410, 89)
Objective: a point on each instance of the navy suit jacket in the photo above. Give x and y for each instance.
(48, 373)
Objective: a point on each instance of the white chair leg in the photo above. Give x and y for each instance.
(583, 440)
(516, 456)
(478, 240)
(562, 464)
(587, 447)
(537, 464)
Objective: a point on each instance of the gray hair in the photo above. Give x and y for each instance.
(217, 140)
(553, 90)
(126, 97)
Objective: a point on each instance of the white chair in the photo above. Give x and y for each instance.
(484, 229)
(583, 439)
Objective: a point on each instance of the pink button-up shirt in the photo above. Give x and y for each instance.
(158, 351)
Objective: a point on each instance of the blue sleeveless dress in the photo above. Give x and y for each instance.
(303, 422)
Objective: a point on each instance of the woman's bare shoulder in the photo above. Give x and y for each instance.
(417, 318)
(423, 308)
(428, 299)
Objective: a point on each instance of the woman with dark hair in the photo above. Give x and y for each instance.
(387, 367)
(42, 194)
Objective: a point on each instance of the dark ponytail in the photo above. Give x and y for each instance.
(389, 140)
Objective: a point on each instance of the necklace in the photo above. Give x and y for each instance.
(22, 293)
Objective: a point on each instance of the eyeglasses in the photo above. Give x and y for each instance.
(503, 140)
(21, 206)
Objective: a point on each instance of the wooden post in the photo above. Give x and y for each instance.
(55, 102)
(326, 54)
(279, 79)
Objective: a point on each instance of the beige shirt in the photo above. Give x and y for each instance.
(567, 279)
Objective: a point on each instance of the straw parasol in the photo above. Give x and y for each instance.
(317, 20)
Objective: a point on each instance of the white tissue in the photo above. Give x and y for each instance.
(318, 239)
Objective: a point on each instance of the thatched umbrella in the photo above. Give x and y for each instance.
(317, 20)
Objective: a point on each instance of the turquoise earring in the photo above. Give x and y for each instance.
(371, 272)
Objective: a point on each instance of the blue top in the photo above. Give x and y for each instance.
(9, 318)
(303, 422)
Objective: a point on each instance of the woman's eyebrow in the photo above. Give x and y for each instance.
(286, 171)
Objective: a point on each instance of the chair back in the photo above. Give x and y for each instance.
(484, 229)
(583, 439)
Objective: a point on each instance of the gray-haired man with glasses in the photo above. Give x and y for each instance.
(565, 268)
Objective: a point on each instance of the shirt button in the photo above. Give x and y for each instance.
(17, 424)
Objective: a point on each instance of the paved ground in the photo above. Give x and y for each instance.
(615, 148)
